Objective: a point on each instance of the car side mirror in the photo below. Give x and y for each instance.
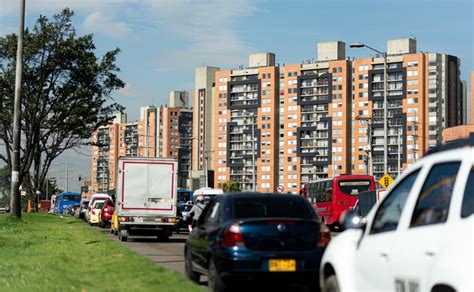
(351, 220)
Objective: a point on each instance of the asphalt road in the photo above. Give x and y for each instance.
(171, 255)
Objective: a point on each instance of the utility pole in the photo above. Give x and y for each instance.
(15, 202)
(67, 178)
(253, 151)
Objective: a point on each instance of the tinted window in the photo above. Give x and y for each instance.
(72, 198)
(433, 203)
(388, 214)
(286, 207)
(467, 208)
(98, 206)
(213, 215)
(354, 187)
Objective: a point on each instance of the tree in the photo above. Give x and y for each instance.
(230, 186)
(66, 93)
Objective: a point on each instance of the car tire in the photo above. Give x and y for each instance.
(214, 282)
(188, 268)
(331, 284)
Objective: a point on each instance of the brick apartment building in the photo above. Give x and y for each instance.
(325, 117)
(161, 132)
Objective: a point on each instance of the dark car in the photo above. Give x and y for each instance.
(107, 213)
(241, 236)
(81, 211)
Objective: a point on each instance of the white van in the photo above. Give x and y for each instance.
(207, 193)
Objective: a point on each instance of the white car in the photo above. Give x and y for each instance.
(419, 237)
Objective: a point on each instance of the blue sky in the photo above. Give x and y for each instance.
(162, 41)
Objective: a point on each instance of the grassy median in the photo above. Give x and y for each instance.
(44, 252)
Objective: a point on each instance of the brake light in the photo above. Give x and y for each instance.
(233, 236)
(123, 219)
(93, 211)
(324, 235)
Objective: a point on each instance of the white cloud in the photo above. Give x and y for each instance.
(99, 23)
(208, 28)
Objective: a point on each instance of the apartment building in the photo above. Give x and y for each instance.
(246, 124)
(203, 130)
(423, 97)
(472, 97)
(160, 132)
(104, 156)
(315, 103)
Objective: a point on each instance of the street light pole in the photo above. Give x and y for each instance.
(384, 54)
(253, 151)
(385, 149)
(67, 178)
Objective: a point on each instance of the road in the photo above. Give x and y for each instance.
(171, 255)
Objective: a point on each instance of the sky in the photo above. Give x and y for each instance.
(163, 41)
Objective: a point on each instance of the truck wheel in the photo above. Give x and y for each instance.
(123, 238)
(188, 268)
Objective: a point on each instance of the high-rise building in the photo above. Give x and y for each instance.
(203, 127)
(329, 115)
(423, 95)
(160, 132)
(315, 125)
(472, 97)
(246, 120)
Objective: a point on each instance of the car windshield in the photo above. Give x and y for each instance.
(280, 207)
(354, 187)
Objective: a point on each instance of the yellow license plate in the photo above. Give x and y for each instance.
(282, 265)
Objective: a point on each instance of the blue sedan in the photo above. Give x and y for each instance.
(242, 236)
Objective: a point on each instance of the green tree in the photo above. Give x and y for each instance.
(230, 186)
(66, 93)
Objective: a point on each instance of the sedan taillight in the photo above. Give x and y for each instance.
(233, 236)
(324, 235)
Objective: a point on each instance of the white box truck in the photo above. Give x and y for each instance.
(146, 197)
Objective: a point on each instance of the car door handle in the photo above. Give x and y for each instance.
(384, 254)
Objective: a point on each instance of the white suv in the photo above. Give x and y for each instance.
(419, 237)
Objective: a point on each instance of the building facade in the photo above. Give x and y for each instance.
(203, 127)
(161, 132)
(246, 121)
(315, 121)
(424, 96)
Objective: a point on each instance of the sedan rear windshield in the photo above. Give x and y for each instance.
(263, 207)
(354, 187)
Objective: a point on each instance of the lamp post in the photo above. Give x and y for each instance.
(384, 54)
(67, 177)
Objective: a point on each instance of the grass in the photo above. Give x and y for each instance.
(43, 252)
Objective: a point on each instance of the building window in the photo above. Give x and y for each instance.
(292, 73)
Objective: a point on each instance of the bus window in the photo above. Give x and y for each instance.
(321, 192)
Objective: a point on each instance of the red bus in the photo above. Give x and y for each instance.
(332, 196)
